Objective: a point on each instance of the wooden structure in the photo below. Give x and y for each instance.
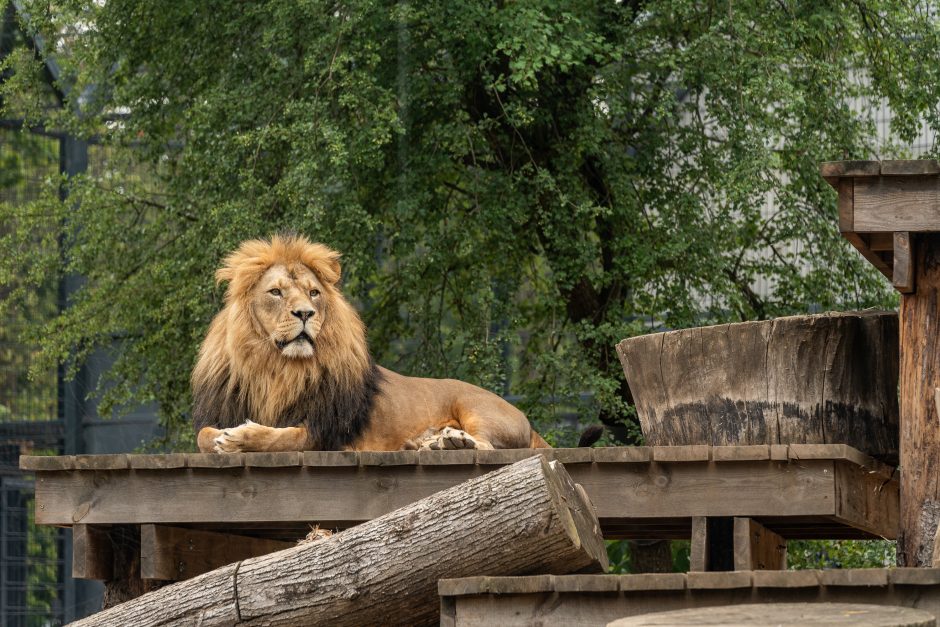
(824, 379)
(196, 512)
(335, 581)
(560, 601)
(890, 212)
(779, 614)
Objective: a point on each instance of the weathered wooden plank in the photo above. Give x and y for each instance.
(738, 453)
(903, 276)
(444, 457)
(915, 576)
(909, 167)
(828, 169)
(641, 594)
(573, 455)
(757, 614)
(92, 557)
(586, 583)
(756, 547)
(718, 581)
(215, 460)
(785, 578)
(628, 492)
(47, 462)
(175, 553)
(880, 242)
(499, 457)
(854, 577)
(273, 460)
(652, 581)
(331, 458)
(388, 458)
(157, 462)
(622, 454)
(897, 203)
(100, 462)
(688, 453)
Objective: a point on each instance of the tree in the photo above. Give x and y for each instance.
(515, 186)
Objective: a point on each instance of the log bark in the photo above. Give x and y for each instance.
(522, 519)
(824, 379)
(920, 426)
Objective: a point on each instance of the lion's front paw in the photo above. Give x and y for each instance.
(238, 439)
(450, 439)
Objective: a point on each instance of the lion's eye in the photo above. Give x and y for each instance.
(274, 292)
(314, 293)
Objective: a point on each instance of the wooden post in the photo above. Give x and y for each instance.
(528, 517)
(757, 548)
(920, 425)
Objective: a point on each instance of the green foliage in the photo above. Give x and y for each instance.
(803, 554)
(515, 186)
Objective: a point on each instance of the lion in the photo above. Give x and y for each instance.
(285, 366)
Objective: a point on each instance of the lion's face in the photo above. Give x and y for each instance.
(289, 303)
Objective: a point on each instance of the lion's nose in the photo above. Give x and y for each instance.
(303, 314)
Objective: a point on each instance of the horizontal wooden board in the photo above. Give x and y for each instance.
(639, 500)
(591, 603)
(897, 203)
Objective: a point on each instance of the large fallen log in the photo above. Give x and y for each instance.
(522, 519)
(823, 379)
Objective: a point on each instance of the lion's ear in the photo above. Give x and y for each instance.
(329, 268)
(223, 274)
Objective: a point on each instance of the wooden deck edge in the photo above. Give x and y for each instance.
(602, 455)
(853, 577)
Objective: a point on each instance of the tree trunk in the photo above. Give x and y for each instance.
(522, 519)
(920, 427)
(825, 379)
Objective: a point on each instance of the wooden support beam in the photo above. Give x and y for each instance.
(757, 548)
(903, 276)
(712, 547)
(698, 549)
(92, 553)
(175, 553)
(920, 424)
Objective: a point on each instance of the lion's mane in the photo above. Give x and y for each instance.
(240, 376)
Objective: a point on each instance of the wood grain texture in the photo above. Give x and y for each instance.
(174, 554)
(920, 424)
(909, 167)
(846, 202)
(92, 557)
(454, 533)
(828, 169)
(902, 278)
(634, 499)
(641, 594)
(828, 378)
(757, 548)
(897, 203)
(759, 615)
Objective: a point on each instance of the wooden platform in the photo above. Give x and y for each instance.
(586, 600)
(800, 491)
(189, 513)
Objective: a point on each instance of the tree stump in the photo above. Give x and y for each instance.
(822, 379)
(525, 518)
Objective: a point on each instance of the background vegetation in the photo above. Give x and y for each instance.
(515, 187)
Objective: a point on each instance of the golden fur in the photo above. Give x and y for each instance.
(285, 366)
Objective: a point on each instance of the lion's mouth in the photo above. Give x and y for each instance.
(301, 337)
